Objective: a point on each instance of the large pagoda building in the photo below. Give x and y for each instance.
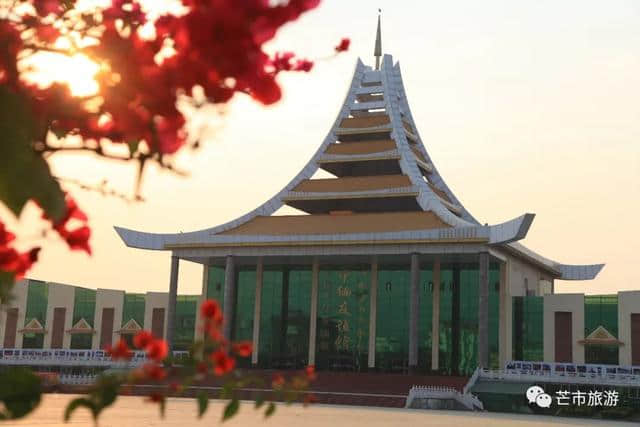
(386, 270)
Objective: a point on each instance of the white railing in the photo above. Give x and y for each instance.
(472, 381)
(468, 400)
(71, 358)
(610, 379)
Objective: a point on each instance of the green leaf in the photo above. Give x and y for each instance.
(227, 390)
(231, 409)
(259, 401)
(270, 410)
(203, 402)
(19, 392)
(24, 174)
(77, 403)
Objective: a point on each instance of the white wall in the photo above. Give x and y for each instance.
(573, 303)
(107, 298)
(628, 303)
(60, 296)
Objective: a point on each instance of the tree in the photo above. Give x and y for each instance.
(203, 52)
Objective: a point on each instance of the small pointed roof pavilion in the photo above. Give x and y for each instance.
(387, 197)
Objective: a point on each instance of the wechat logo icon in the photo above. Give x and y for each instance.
(535, 394)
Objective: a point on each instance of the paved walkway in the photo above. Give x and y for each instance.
(132, 411)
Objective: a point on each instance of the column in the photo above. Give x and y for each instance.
(173, 295)
(257, 305)
(435, 317)
(414, 307)
(313, 316)
(373, 305)
(229, 296)
(505, 325)
(483, 311)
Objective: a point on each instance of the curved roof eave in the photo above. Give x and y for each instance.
(565, 271)
(503, 233)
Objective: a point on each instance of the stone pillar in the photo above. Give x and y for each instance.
(483, 311)
(435, 317)
(373, 305)
(173, 295)
(257, 302)
(414, 311)
(229, 296)
(313, 312)
(505, 325)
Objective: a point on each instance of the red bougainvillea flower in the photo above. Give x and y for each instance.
(11, 260)
(77, 238)
(242, 348)
(303, 65)
(310, 372)
(278, 381)
(143, 339)
(157, 350)
(154, 371)
(120, 351)
(344, 45)
(175, 387)
(210, 310)
(223, 363)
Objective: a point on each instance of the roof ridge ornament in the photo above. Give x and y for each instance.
(377, 51)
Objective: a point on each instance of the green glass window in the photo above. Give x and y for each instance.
(528, 328)
(185, 325)
(33, 341)
(215, 284)
(601, 310)
(284, 318)
(392, 319)
(37, 300)
(245, 300)
(446, 319)
(342, 338)
(84, 306)
(494, 316)
(270, 317)
(133, 308)
(469, 302)
(425, 293)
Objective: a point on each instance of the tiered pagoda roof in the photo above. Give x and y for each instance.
(386, 190)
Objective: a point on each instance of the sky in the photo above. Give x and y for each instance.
(523, 107)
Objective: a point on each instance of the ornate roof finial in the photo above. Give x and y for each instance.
(377, 52)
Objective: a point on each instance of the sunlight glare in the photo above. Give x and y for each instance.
(77, 71)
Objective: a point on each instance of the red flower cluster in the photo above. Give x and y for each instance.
(218, 45)
(222, 362)
(213, 320)
(120, 351)
(242, 348)
(156, 349)
(77, 238)
(12, 261)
